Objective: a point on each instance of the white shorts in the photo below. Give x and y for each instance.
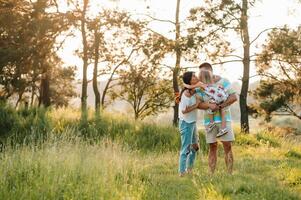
(211, 136)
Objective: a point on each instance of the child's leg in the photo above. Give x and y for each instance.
(223, 116)
(211, 117)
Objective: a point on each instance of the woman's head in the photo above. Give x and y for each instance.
(206, 76)
(190, 78)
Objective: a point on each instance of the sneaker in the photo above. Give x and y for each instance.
(181, 174)
(222, 132)
(189, 171)
(211, 125)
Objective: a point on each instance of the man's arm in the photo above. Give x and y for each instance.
(205, 105)
(231, 99)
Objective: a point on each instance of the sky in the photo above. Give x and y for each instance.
(265, 14)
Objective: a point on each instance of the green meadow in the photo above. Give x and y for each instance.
(52, 154)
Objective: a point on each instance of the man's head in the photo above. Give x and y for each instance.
(206, 66)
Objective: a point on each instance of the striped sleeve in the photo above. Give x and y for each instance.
(228, 87)
(200, 93)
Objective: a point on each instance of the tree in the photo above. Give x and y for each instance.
(111, 53)
(28, 48)
(142, 88)
(141, 82)
(186, 46)
(279, 65)
(62, 87)
(229, 16)
(79, 20)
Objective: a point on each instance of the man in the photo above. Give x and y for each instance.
(211, 136)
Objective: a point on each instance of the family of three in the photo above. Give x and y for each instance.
(214, 95)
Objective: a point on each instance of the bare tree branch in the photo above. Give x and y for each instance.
(156, 19)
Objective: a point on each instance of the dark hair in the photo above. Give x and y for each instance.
(206, 65)
(187, 76)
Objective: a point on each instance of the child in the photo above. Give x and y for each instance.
(187, 124)
(213, 94)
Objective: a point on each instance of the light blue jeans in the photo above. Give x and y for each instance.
(187, 153)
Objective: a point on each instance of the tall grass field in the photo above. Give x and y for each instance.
(52, 154)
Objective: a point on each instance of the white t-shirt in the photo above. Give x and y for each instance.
(187, 101)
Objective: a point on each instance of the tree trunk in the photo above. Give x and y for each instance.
(244, 120)
(96, 57)
(85, 61)
(111, 78)
(32, 95)
(44, 88)
(20, 95)
(177, 66)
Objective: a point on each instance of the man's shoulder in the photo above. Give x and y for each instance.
(223, 81)
(199, 92)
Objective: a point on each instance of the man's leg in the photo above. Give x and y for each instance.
(228, 156)
(212, 158)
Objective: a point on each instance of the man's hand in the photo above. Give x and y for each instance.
(213, 107)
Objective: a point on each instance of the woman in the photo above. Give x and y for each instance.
(187, 124)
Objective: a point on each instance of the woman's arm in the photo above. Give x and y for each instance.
(190, 108)
(193, 107)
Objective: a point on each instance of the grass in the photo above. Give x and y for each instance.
(75, 169)
(117, 158)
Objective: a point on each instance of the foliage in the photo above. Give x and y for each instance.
(279, 66)
(28, 33)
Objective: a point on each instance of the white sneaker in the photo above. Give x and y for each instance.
(211, 125)
(222, 132)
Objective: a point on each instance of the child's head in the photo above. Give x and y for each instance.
(206, 76)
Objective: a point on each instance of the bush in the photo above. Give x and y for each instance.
(268, 139)
(23, 126)
(204, 147)
(8, 118)
(293, 154)
(246, 139)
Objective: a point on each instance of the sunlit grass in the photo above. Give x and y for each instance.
(114, 157)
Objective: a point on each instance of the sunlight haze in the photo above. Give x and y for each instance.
(266, 14)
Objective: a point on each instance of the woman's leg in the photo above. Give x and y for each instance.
(194, 144)
(186, 137)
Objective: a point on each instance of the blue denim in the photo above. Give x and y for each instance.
(187, 153)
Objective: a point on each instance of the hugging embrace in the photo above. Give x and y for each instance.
(214, 95)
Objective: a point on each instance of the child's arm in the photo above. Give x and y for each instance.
(199, 84)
